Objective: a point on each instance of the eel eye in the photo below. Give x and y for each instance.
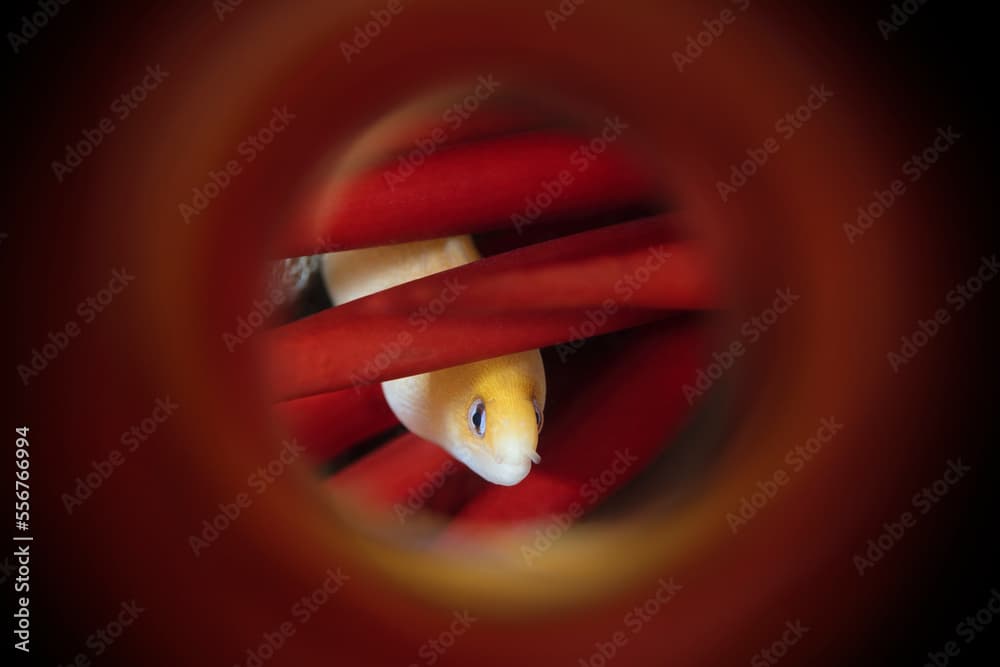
(477, 418)
(539, 420)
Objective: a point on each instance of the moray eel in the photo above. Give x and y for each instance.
(487, 414)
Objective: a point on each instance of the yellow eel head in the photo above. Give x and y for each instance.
(494, 415)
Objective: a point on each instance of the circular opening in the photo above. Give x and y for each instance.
(578, 250)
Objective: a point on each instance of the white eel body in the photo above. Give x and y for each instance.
(488, 413)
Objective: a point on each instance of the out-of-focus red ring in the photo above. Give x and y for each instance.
(782, 228)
